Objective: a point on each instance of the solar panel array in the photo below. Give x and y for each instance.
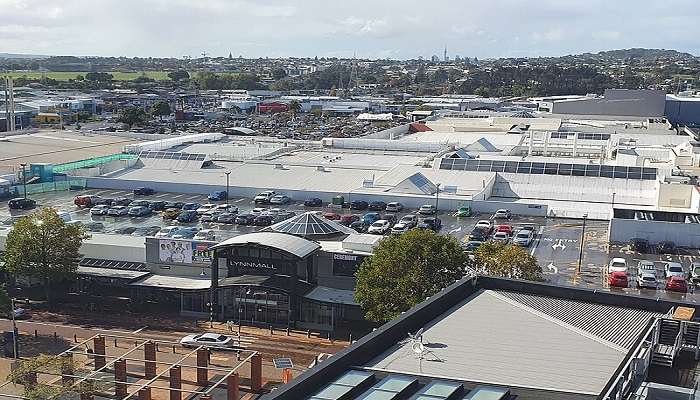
(113, 264)
(173, 155)
(580, 135)
(541, 168)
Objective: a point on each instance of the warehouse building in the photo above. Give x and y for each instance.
(616, 102)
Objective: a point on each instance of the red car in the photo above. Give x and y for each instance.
(676, 284)
(618, 279)
(348, 219)
(85, 200)
(332, 216)
(505, 228)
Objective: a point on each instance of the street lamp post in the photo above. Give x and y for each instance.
(15, 338)
(211, 314)
(24, 179)
(437, 197)
(227, 180)
(580, 253)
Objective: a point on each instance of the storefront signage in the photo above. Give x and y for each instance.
(346, 257)
(253, 265)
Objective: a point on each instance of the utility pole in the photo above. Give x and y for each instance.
(580, 253)
(437, 198)
(227, 176)
(24, 179)
(15, 338)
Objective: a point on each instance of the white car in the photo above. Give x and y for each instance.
(427, 209)
(673, 269)
(118, 211)
(394, 207)
(617, 264)
(205, 234)
(501, 237)
(226, 208)
(168, 231)
(400, 228)
(523, 238)
(100, 209)
(205, 208)
(379, 227)
(264, 197)
(409, 220)
(501, 214)
(258, 210)
(484, 224)
(645, 266)
(211, 340)
(280, 199)
(647, 279)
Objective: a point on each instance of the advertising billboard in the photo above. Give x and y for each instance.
(172, 251)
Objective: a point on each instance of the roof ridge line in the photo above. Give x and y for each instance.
(557, 321)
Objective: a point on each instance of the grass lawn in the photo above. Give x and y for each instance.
(64, 76)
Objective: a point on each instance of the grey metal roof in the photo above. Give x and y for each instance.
(491, 339)
(310, 224)
(294, 245)
(617, 325)
(111, 273)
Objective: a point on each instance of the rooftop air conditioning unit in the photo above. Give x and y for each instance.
(321, 168)
(279, 166)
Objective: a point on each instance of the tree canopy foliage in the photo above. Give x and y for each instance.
(178, 75)
(212, 81)
(132, 116)
(161, 109)
(405, 270)
(507, 261)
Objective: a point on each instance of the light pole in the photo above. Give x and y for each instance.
(24, 179)
(227, 176)
(437, 197)
(15, 338)
(580, 253)
(211, 314)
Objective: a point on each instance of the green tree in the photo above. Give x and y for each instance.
(294, 106)
(53, 365)
(178, 75)
(132, 116)
(405, 270)
(506, 260)
(42, 246)
(279, 73)
(99, 76)
(160, 109)
(424, 107)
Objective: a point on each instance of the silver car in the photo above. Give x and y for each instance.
(211, 340)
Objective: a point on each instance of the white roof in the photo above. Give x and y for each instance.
(174, 282)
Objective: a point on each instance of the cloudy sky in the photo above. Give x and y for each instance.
(370, 29)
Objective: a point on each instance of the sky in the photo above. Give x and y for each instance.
(396, 29)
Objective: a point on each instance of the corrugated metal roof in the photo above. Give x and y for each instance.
(294, 245)
(617, 325)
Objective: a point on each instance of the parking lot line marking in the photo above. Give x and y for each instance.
(160, 196)
(140, 329)
(178, 196)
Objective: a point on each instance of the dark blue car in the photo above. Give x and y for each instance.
(217, 196)
(187, 216)
(144, 191)
(370, 218)
(313, 202)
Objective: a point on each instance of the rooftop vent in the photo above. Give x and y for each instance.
(279, 166)
(321, 168)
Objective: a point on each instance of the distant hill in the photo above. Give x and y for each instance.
(644, 54)
(22, 56)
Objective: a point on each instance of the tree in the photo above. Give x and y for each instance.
(160, 109)
(405, 270)
(55, 366)
(5, 302)
(279, 73)
(178, 75)
(132, 116)
(99, 76)
(294, 106)
(42, 246)
(506, 260)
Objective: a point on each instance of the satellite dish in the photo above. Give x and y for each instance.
(418, 348)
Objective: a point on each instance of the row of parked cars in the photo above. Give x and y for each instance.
(676, 278)
(488, 229)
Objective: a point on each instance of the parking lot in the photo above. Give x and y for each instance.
(556, 245)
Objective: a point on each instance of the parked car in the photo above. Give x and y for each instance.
(174, 204)
(118, 211)
(139, 211)
(211, 340)
(501, 237)
(379, 227)
(190, 206)
(394, 207)
(695, 272)
(264, 197)
(409, 219)
(121, 201)
(167, 231)
(146, 231)
(187, 216)
(523, 238)
(140, 203)
(205, 234)
(258, 210)
(171, 213)
(211, 216)
(331, 216)
(400, 228)
(103, 200)
(377, 206)
(94, 226)
(479, 234)
(485, 224)
(313, 202)
(666, 247)
(528, 227)
(226, 208)
(359, 226)
(219, 195)
(280, 199)
(126, 230)
(618, 279)
(186, 232)
(391, 218)
(86, 200)
(502, 214)
(432, 223)
(677, 284)
(427, 209)
(205, 208)
(20, 203)
(100, 209)
(639, 245)
(157, 205)
(463, 212)
(505, 228)
(647, 279)
(471, 245)
(646, 266)
(264, 220)
(617, 264)
(348, 219)
(370, 218)
(359, 205)
(283, 215)
(144, 191)
(226, 218)
(673, 269)
(245, 219)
